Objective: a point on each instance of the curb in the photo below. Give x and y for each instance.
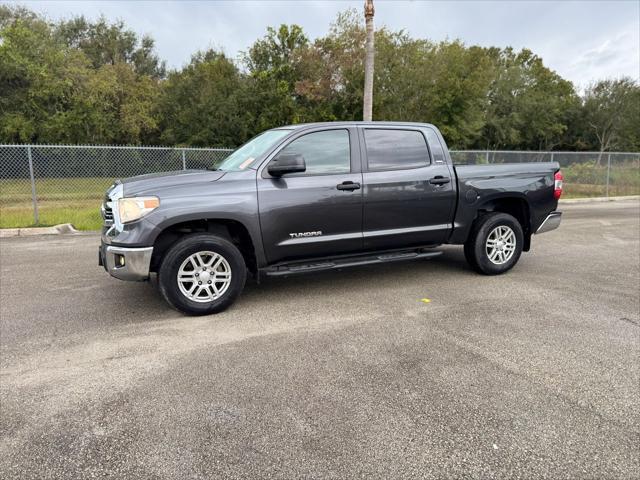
(63, 228)
(598, 199)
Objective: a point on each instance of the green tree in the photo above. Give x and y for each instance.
(611, 112)
(275, 52)
(201, 104)
(51, 91)
(415, 80)
(39, 77)
(442, 83)
(114, 105)
(107, 43)
(273, 69)
(85, 81)
(528, 103)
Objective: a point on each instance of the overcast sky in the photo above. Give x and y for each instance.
(581, 40)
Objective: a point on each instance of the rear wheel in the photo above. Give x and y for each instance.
(495, 243)
(202, 274)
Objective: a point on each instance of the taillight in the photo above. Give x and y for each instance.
(557, 185)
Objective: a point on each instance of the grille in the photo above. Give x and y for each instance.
(107, 211)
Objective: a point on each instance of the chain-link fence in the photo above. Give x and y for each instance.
(51, 184)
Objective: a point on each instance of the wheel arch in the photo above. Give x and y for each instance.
(515, 205)
(233, 230)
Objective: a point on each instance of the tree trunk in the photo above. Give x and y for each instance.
(368, 66)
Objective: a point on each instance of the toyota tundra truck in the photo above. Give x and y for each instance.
(320, 196)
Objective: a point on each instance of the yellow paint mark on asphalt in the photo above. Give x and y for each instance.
(425, 300)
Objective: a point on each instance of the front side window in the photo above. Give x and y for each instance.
(324, 153)
(395, 149)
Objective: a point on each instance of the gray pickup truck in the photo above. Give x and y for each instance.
(312, 197)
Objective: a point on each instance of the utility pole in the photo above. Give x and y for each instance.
(367, 106)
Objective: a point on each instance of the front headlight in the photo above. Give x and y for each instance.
(134, 208)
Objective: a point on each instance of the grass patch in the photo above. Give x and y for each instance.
(590, 180)
(60, 200)
(80, 216)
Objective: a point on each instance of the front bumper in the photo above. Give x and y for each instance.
(126, 263)
(550, 223)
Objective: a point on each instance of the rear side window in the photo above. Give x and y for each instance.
(395, 149)
(324, 153)
(436, 148)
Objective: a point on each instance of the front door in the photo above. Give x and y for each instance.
(319, 212)
(409, 192)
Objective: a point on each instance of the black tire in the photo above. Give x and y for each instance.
(180, 252)
(475, 249)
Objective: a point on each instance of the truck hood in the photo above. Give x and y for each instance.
(153, 182)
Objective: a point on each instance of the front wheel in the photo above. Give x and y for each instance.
(494, 244)
(202, 274)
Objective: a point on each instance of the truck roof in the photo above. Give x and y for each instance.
(300, 126)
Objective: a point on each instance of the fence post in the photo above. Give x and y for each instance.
(552, 156)
(486, 156)
(184, 161)
(608, 172)
(34, 198)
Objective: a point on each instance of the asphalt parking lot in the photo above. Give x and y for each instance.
(533, 374)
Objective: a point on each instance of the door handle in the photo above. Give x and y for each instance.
(348, 186)
(439, 180)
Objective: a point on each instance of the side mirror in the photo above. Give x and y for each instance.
(286, 163)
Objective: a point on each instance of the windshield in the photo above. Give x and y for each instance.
(247, 153)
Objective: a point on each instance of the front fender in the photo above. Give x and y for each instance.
(234, 198)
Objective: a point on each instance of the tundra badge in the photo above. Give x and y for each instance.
(305, 234)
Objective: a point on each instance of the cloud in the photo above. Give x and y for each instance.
(613, 57)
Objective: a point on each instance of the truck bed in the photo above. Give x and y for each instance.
(479, 184)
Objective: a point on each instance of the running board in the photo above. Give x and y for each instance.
(295, 268)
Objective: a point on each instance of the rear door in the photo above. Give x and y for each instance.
(409, 189)
(318, 212)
